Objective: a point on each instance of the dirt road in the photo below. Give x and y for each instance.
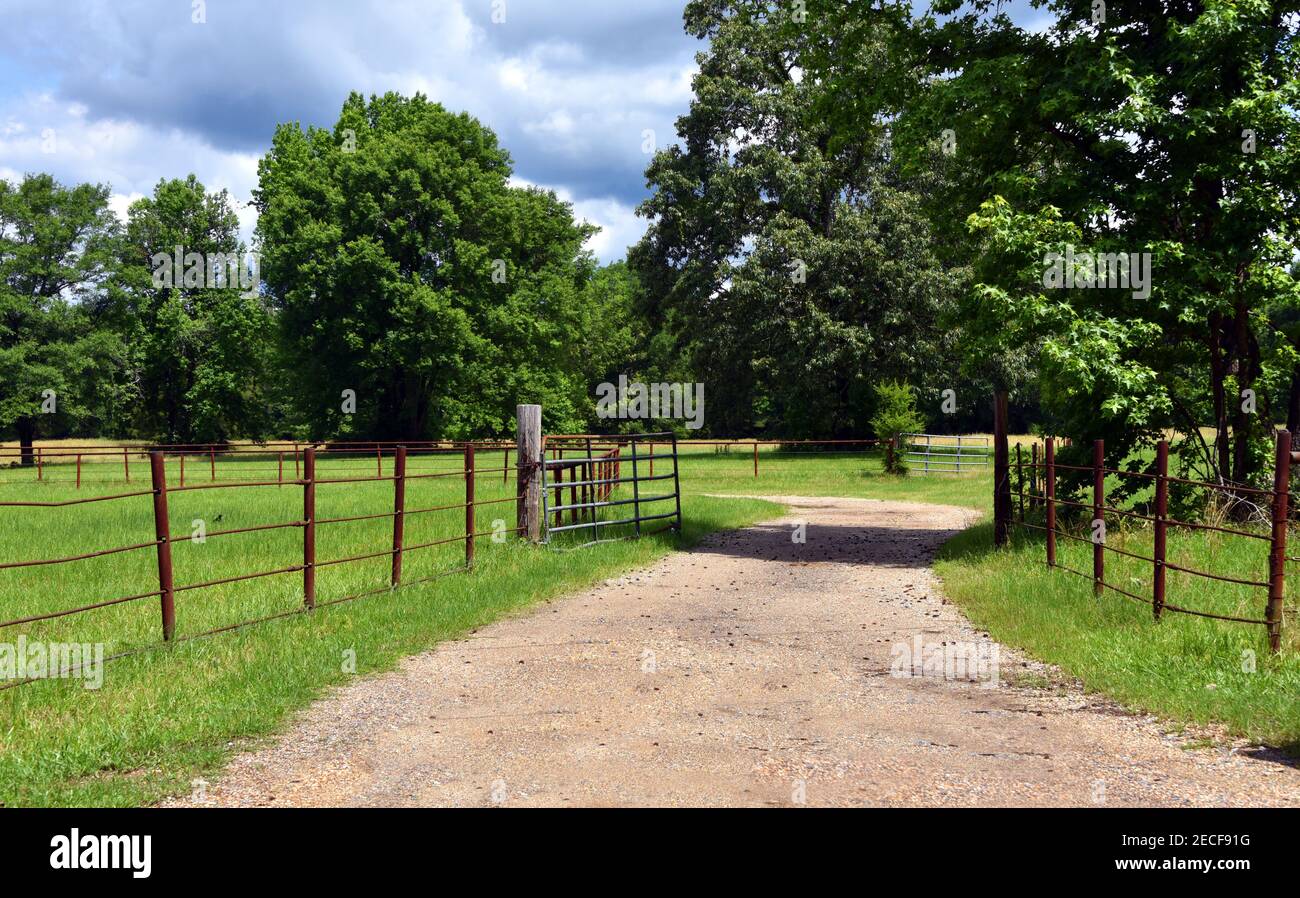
(753, 670)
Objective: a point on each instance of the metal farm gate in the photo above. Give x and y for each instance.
(606, 477)
(928, 452)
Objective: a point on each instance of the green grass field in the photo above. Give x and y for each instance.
(173, 712)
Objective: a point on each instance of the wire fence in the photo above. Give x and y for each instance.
(1036, 491)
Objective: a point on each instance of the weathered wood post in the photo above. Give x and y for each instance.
(1277, 554)
(1001, 472)
(1020, 482)
(528, 452)
(1098, 515)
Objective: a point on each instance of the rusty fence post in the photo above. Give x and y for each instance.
(1049, 490)
(279, 477)
(182, 453)
(162, 532)
(469, 505)
(309, 527)
(1098, 515)
(399, 511)
(1277, 553)
(1160, 529)
(505, 466)
(212, 461)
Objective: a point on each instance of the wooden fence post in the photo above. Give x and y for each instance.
(1277, 555)
(528, 451)
(1049, 490)
(1020, 482)
(755, 458)
(162, 532)
(126, 464)
(1098, 514)
(212, 460)
(309, 527)
(399, 511)
(1034, 491)
(182, 467)
(1001, 472)
(505, 466)
(1161, 527)
(469, 505)
(78, 470)
(40, 464)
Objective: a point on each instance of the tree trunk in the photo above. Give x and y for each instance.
(26, 428)
(1293, 406)
(1218, 372)
(1247, 355)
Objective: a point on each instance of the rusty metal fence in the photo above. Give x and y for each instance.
(595, 471)
(308, 480)
(1036, 486)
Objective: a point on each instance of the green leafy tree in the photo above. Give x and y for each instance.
(795, 270)
(1157, 127)
(61, 370)
(404, 267)
(895, 415)
(193, 310)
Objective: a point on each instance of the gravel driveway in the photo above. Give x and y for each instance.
(752, 670)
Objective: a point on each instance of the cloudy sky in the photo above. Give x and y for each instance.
(126, 92)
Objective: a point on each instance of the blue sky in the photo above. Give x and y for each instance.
(126, 92)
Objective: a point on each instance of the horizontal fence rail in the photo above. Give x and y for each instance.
(595, 469)
(392, 467)
(1036, 491)
(279, 461)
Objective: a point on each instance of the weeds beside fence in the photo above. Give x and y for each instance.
(1272, 507)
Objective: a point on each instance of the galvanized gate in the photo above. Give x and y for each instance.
(601, 470)
(929, 452)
